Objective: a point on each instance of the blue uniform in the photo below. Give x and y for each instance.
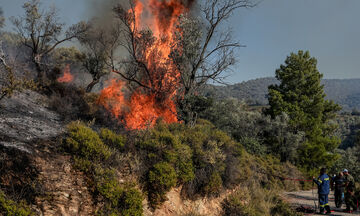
(323, 183)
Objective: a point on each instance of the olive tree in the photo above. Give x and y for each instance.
(41, 32)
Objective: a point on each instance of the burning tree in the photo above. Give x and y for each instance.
(100, 47)
(170, 57)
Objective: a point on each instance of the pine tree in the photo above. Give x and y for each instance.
(302, 97)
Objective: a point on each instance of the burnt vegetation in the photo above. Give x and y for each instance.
(138, 119)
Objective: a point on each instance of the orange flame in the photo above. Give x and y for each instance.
(67, 76)
(144, 107)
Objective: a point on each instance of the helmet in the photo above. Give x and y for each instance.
(345, 170)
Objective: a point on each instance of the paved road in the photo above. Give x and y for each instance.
(306, 199)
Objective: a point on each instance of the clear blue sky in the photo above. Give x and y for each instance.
(329, 29)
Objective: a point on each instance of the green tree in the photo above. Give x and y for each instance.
(301, 96)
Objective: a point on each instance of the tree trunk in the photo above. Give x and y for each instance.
(40, 73)
(92, 84)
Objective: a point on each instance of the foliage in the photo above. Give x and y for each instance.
(198, 156)
(349, 126)
(283, 209)
(66, 55)
(112, 139)
(256, 202)
(91, 152)
(14, 84)
(350, 159)
(10, 208)
(120, 199)
(301, 96)
(191, 106)
(211, 159)
(162, 177)
(85, 142)
(254, 146)
(259, 134)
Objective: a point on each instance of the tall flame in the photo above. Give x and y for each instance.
(67, 76)
(142, 108)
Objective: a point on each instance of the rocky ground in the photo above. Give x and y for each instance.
(28, 130)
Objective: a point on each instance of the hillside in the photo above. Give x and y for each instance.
(345, 92)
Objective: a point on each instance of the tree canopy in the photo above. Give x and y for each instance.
(301, 96)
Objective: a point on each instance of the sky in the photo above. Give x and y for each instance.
(329, 29)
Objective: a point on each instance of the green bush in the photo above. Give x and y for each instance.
(203, 157)
(214, 185)
(161, 178)
(85, 142)
(282, 208)
(234, 206)
(131, 202)
(120, 199)
(89, 150)
(112, 139)
(10, 208)
(108, 186)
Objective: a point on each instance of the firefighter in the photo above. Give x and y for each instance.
(339, 185)
(323, 183)
(349, 192)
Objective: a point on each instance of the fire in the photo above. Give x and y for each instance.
(144, 106)
(67, 76)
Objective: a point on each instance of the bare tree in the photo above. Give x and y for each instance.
(41, 32)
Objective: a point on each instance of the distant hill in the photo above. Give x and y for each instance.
(345, 92)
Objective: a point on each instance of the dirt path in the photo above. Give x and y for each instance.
(307, 198)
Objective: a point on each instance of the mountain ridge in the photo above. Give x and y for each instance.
(345, 92)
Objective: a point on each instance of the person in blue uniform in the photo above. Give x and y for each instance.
(323, 183)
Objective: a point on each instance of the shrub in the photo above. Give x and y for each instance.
(69, 101)
(161, 178)
(214, 185)
(89, 149)
(10, 208)
(85, 142)
(282, 208)
(12, 83)
(112, 139)
(253, 146)
(108, 186)
(234, 206)
(202, 156)
(131, 202)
